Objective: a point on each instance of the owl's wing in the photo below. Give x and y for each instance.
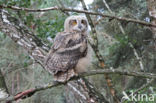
(59, 40)
(65, 54)
(58, 43)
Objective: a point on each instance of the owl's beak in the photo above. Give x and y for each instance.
(80, 27)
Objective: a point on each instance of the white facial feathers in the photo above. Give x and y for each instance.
(76, 23)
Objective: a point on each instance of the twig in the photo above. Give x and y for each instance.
(99, 20)
(144, 86)
(79, 11)
(107, 6)
(30, 92)
(137, 57)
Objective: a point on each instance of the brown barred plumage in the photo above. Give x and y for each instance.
(69, 48)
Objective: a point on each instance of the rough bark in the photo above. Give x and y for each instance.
(78, 92)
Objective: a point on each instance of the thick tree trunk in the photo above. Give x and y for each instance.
(77, 89)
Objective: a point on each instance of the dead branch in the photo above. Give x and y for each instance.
(79, 11)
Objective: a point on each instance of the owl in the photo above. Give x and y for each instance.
(70, 53)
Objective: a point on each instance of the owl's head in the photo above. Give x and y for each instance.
(76, 23)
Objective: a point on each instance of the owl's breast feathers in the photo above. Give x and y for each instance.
(67, 49)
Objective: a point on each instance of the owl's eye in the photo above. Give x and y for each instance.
(74, 22)
(83, 22)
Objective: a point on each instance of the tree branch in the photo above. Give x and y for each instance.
(79, 11)
(19, 33)
(120, 72)
(94, 95)
(30, 92)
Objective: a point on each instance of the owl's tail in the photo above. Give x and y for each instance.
(64, 76)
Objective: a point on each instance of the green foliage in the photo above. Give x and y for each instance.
(44, 25)
(20, 3)
(50, 27)
(122, 39)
